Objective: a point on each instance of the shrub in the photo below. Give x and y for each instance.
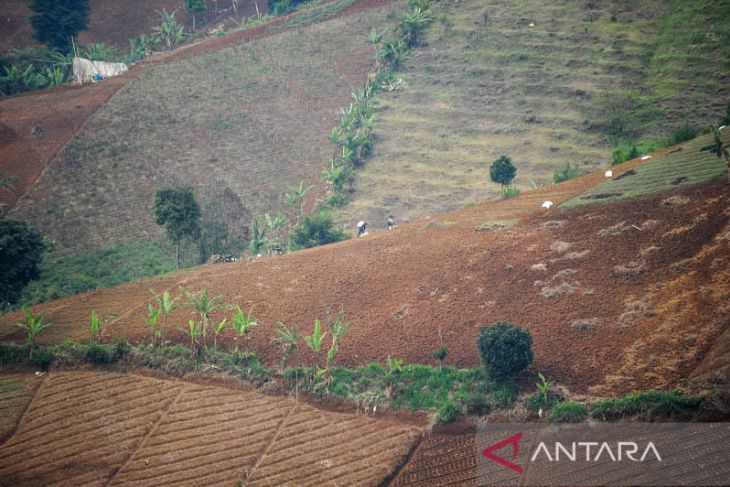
(569, 412)
(566, 173)
(509, 192)
(476, 403)
(315, 230)
(682, 133)
(99, 354)
(504, 349)
(42, 358)
(447, 412)
(648, 405)
(624, 152)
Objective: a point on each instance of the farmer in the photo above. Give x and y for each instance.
(361, 226)
(391, 222)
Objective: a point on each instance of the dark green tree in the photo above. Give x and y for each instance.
(56, 22)
(504, 349)
(316, 229)
(195, 6)
(177, 210)
(21, 248)
(502, 171)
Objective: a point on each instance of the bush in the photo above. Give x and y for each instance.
(682, 133)
(624, 152)
(447, 412)
(567, 173)
(42, 358)
(504, 349)
(648, 405)
(509, 192)
(476, 403)
(502, 171)
(99, 354)
(314, 230)
(569, 412)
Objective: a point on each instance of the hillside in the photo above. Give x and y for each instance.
(240, 124)
(110, 22)
(619, 296)
(544, 82)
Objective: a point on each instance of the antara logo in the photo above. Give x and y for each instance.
(592, 451)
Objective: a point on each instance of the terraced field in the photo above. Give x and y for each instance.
(88, 429)
(534, 80)
(241, 125)
(685, 165)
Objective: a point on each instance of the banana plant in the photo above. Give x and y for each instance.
(274, 225)
(205, 306)
(194, 331)
(338, 327)
(289, 338)
(169, 30)
(315, 340)
(258, 237)
(152, 319)
(295, 196)
(96, 325)
(242, 323)
(544, 386)
(166, 304)
(217, 329)
(413, 24)
(33, 326)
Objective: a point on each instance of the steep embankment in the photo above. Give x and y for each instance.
(626, 295)
(543, 82)
(240, 125)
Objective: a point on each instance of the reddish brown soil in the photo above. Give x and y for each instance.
(84, 428)
(647, 328)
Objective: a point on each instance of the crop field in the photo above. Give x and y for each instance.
(241, 125)
(684, 165)
(586, 282)
(132, 430)
(534, 80)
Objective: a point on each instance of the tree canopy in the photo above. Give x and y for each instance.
(21, 248)
(502, 171)
(177, 210)
(56, 22)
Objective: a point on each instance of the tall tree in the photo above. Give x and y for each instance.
(177, 210)
(194, 6)
(21, 248)
(57, 22)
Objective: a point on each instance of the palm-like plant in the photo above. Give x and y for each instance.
(169, 30)
(152, 319)
(96, 325)
(217, 330)
(274, 225)
(205, 306)
(194, 331)
(166, 304)
(338, 327)
(33, 326)
(242, 323)
(413, 24)
(295, 196)
(289, 338)
(315, 340)
(258, 237)
(394, 52)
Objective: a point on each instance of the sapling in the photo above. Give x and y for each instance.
(33, 326)
(96, 325)
(242, 323)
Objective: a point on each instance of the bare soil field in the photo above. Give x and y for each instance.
(618, 297)
(93, 429)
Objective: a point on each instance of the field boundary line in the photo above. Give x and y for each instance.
(25, 411)
(142, 443)
(274, 437)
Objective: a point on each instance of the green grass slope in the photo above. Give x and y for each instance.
(240, 125)
(488, 83)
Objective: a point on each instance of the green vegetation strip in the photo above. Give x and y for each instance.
(690, 165)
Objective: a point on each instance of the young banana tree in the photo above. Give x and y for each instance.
(205, 306)
(275, 225)
(315, 340)
(242, 323)
(152, 319)
(258, 237)
(166, 304)
(96, 325)
(289, 338)
(374, 40)
(33, 326)
(338, 327)
(217, 329)
(295, 196)
(169, 30)
(194, 331)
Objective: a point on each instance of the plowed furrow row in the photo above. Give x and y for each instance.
(194, 412)
(58, 394)
(293, 440)
(309, 467)
(174, 473)
(114, 416)
(214, 476)
(232, 429)
(301, 457)
(44, 417)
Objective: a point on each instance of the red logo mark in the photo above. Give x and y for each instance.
(514, 439)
